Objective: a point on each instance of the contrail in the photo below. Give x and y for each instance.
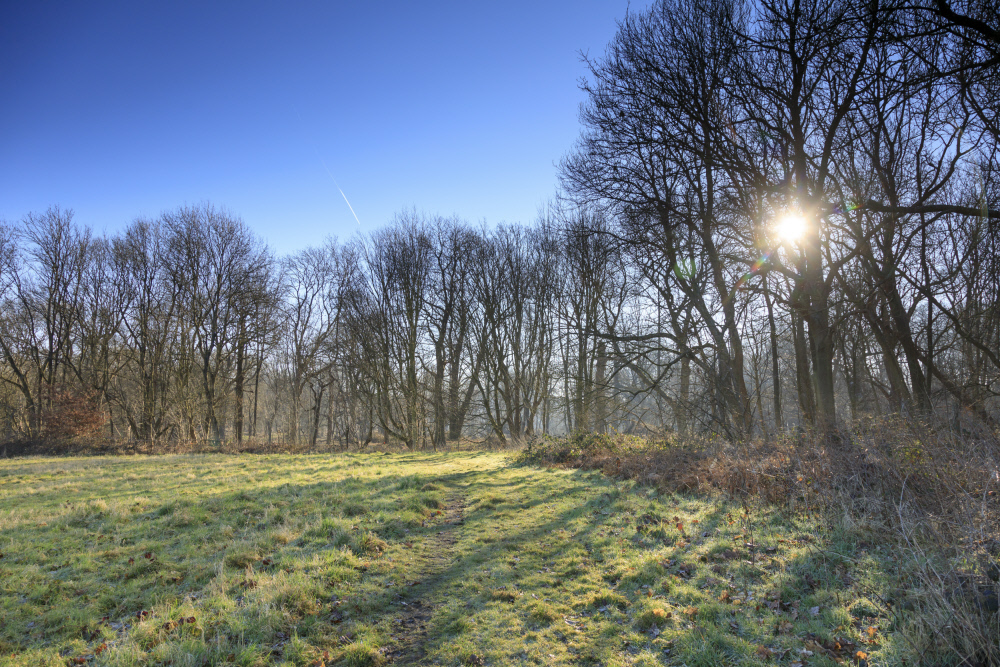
(330, 173)
(341, 191)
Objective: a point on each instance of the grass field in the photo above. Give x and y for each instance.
(460, 558)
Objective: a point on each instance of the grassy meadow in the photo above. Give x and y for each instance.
(429, 558)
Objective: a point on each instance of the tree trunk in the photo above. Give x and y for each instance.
(775, 371)
(803, 379)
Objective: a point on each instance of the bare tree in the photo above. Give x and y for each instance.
(212, 258)
(387, 321)
(44, 287)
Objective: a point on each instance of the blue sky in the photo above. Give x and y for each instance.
(117, 110)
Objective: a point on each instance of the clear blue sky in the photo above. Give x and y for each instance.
(123, 109)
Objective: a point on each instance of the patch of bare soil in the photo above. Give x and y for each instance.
(410, 632)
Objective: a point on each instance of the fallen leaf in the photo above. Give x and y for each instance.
(764, 652)
(814, 611)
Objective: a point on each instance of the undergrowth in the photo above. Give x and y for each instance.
(928, 496)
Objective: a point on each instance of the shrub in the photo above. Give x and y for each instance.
(72, 414)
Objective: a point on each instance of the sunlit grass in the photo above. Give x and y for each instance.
(304, 560)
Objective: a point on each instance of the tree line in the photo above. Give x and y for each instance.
(187, 328)
(779, 212)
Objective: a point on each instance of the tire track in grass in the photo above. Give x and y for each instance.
(411, 626)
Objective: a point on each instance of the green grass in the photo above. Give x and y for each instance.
(309, 560)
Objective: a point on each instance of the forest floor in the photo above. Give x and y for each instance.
(416, 558)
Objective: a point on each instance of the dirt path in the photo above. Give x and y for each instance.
(410, 631)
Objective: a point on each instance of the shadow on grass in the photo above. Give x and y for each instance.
(625, 533)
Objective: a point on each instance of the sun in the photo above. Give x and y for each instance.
(792, 226)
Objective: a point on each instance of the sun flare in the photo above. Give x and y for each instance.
(792, 226)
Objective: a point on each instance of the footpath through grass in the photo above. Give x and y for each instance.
(367, 559)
